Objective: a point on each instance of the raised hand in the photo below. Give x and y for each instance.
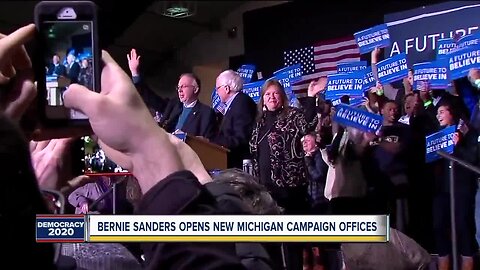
(84, 208)
(473, 75)
(133, 62)
(317, 86)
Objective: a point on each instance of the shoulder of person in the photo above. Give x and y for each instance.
(228, 199)
(245, 98)
(202, 106)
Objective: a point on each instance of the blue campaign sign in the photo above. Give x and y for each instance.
(60, 228)
(181, 135)
(375, 37)
(357, 118)
(462, 60)
(357, 101)
(435, 73)
(349, 67)
(442, 140)
(444, 47)
(393, 68)
(368, 80)
(284, 80)
(294, 72)
(294, 102)
(246, 72)
(253, 90)
(216, 102)
(350, 84)
(469, 40)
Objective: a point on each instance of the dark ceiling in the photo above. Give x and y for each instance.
(135, 23)
(114, 16)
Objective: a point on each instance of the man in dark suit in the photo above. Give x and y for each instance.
(189, 115)
(73, 68)
(236, 126)
(56, 68)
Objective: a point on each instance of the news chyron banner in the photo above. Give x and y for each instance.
(212, 228)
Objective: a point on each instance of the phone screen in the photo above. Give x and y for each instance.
(96, 162)
(69, 58)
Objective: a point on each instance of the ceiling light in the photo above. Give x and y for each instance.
(176, 9)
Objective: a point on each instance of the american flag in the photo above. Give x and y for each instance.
(321, 59)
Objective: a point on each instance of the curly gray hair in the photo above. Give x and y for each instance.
(252, 193)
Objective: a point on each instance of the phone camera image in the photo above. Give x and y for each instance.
(69, 59)
(96, 162)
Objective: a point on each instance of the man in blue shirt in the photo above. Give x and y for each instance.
(191, 116)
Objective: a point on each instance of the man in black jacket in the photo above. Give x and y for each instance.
(236, 126)
(317, 171)
(56, 68)
(73, 69)
(187, 113)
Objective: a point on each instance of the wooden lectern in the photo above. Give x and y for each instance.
(213, 156)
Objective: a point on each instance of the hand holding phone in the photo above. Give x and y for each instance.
(68, 54)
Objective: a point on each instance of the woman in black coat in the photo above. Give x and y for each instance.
(465, 188)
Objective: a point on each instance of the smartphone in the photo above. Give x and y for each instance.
(67, 53)
(95, 161)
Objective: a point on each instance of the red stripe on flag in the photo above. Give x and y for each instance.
(334, 50)
(337, 59)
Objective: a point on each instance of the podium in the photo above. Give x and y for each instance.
(54, 85)
(213, 156)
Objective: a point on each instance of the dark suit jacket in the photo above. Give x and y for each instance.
(200, 122)
(171, 107)
(236, 128)
(59, 70)
(73, 72)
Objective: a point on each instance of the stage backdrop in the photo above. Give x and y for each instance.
(271, 32)
(417, 31)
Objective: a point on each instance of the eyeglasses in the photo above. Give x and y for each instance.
(221, 87)
(183, 86)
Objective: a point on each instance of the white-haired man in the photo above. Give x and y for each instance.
(236, 126)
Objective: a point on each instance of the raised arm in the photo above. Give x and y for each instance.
(148, 95)
(388, 90)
